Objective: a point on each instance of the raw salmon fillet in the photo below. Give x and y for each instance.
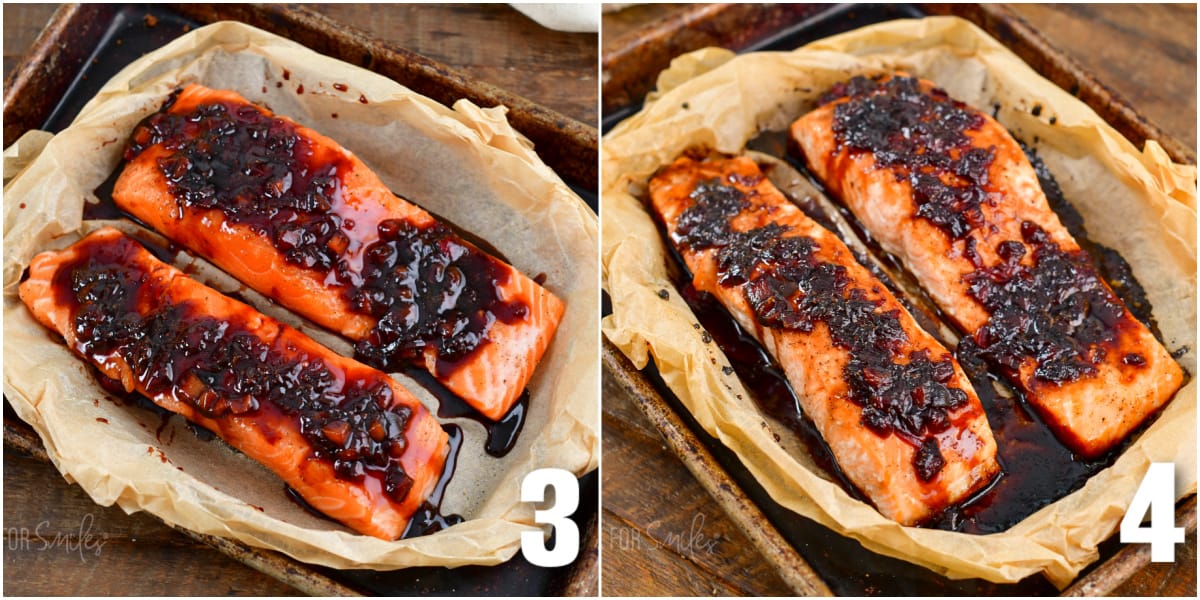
(297, 217)
(354, 444)
(895, 408)
(949, 191)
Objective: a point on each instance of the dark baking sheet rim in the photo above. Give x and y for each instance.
(567, 146)
(752, 26)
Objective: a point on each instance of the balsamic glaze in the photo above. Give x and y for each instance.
(787, 286)
(221, 368)
(1055, 310)
(501, 435)
(761, 375)
(1113, 267)
(1029, 316)
(1037, 468)
(922, 137)
(927, 314)
(424, 287)
(428, 518)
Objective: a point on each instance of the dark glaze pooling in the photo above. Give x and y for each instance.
(424, 285)
(1112, 266)
(501, 435)
(1056, 310)
(922, 137)
(428, 517)
(1038, 468)
(171, 348)
(788, 287)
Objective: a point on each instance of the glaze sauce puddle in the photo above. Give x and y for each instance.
(501, 435)
(429, 518)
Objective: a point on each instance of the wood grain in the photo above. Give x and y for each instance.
(494, 43)
(1145, 53)
(44, 515)
(57, 541)
(655, 512)
(22, 23)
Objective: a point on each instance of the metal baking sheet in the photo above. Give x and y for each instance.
(83, 46)
(808, 556)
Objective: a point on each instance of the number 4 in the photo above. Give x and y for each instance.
(1156, 494)
(566, 500)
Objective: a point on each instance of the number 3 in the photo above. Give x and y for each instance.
(566, 500)
(1156, 494)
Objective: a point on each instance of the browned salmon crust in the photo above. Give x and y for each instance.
(895, 408)
(949, 191)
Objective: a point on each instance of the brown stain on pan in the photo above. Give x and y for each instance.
(631, 52)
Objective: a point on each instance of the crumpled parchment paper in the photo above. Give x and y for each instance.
(1137, 202)
(466, 164)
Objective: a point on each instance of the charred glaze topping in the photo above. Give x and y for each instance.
(425, 285)
(1055, 310)
(788, 287)
(1112, 266)
(706, 222)
(922, 137)
(223, 369)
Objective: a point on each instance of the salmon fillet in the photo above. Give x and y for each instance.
(297, 217)
(354, 444)
(895, 408)
(947, 189)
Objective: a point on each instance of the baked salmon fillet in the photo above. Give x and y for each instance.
(895, 408)
(297, 217)
(354, 444)
(946, 189)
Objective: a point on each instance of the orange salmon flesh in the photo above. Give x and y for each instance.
(882, 466)
(1123, 380)
(490, 378)
(160, 322)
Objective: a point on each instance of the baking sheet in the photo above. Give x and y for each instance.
(466, 164)
(711, 99)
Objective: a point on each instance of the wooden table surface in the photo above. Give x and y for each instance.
(663, 535)
(59, 542)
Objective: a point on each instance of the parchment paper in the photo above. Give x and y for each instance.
(466, 164)
(1137, 202)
